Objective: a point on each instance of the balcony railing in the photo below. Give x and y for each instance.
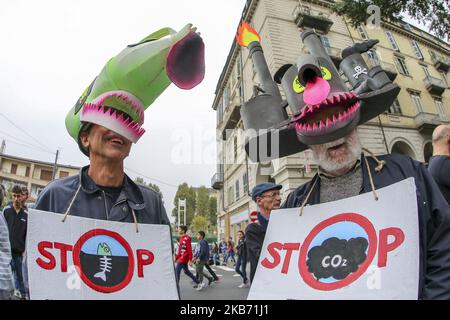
(440, 62)
(425, 120)
(305, 17)
(434, 85)
(217, 181)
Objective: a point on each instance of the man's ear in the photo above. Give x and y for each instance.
(84, 139)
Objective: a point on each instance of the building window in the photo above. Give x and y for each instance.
(325, 41)
(237, 189)
(416, 50)
(401, 66)
(27, 172)
(46, 175)
(230, 195)
(444, 78)
(416, 100)
(235, 148)
(373, 56)
(362, 32)
(245, 182)
(425, 70)
(392, 41)
(440, 109)
(395, 108)
(13, 168)
(225, 98)
(63, 174)
(219, 112)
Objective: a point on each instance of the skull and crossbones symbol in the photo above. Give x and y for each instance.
(359, 71)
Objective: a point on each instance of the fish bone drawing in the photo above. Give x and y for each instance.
(105, 261)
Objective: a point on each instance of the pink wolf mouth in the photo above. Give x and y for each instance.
(118, 111)
(331, 114)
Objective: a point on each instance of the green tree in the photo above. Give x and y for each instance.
(154, 187)
(212, 210)
(199, 223)
(185, 192)
(435, 14)
(202, 201)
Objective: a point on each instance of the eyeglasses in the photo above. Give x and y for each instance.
(272, 194)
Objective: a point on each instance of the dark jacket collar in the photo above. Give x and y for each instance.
(130, 190)
(262, 221)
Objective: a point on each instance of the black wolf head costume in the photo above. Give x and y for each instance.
(323, 107)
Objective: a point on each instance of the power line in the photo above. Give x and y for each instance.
(28, 146)
(147, 177)
(25, 142)
(22, 130)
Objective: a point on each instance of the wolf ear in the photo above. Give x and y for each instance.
(280, 73)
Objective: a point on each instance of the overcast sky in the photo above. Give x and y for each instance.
(51, 50)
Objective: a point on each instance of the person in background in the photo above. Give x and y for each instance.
(215, 254)
(6, 276)
(16, 218)
(267, 197)
(2, 196)
(230, 252)
(184, 256)
(25, 197)
(439, 166)
(241, 263)
(200, 259)
(208, 266)
(223, 249)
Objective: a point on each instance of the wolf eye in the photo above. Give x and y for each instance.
(326, 74)
(297, 86)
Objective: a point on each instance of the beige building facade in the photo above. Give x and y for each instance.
(418, 62)
(34, 175)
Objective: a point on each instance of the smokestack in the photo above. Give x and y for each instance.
(262, 70)
(312, 41)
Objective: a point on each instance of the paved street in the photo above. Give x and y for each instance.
(225, 289)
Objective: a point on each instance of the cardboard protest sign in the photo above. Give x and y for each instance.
(355, 248)
(95, 259)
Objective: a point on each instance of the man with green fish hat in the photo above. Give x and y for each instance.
(108, 118)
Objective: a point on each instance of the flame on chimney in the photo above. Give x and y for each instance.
(246, 35)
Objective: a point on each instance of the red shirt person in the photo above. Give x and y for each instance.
(184, 255)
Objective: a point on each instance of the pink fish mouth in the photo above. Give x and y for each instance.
(118, 111)
(331, 114)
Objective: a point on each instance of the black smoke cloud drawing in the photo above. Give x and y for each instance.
(337, 258)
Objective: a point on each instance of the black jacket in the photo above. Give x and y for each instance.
(17, 227)
(434, 217)
(254, 238)
(92, 203)
(439, 168)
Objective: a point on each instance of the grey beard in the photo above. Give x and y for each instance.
(336, 168)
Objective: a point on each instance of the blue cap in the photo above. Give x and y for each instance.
(259, 189)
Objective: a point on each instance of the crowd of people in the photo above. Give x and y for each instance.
(203, 256)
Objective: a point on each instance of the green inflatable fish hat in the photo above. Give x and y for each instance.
(130, 82)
